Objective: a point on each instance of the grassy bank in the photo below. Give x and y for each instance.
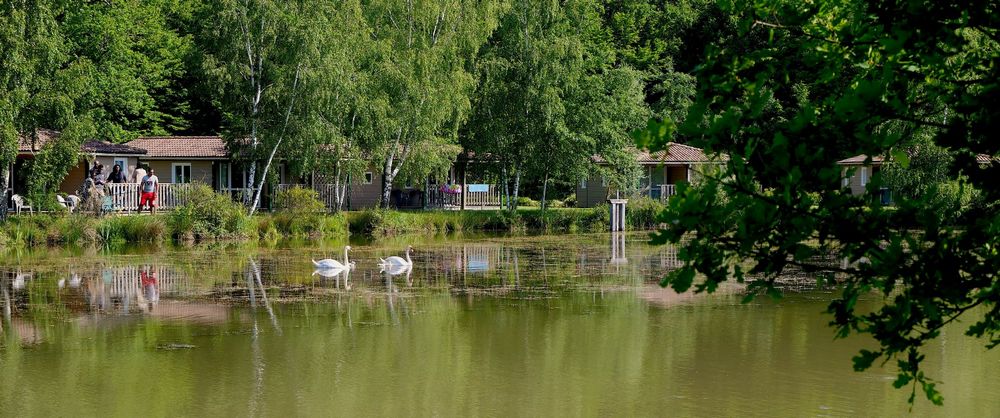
(36, 230)
(640, 215)
(209, 216)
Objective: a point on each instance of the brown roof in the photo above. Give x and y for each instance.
(25, 145)
(105, 147)
(93, 146)
(876, 160)
(159, 147)
(676, 153)
(860, 159)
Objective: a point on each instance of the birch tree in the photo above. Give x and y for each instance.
(333, 141)
(257, 64)
(551, 97)
(40, 83)
(424, 84)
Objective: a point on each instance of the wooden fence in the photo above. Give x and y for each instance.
(490, 198)
(125, 196)
(436, 199)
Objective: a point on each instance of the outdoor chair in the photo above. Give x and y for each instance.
(20, 203)
(68, 204)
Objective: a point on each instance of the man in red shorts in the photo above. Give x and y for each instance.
(147, 191)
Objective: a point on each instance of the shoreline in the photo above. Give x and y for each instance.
(73, 230)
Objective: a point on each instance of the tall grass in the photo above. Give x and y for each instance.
(380, 223)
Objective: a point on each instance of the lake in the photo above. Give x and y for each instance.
(570, 325)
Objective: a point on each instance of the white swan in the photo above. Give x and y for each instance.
(398, 261)
(329, 263)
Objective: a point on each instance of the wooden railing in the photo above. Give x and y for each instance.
(492, 197)
(667, 190)
(125, 196)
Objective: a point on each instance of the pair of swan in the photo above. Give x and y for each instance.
(388, 262)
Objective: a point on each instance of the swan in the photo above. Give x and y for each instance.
(329, 263)
(398, 261)
(396, 269)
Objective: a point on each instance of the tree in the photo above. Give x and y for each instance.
(42, 85)
(257, 62)
(139, 63)
(804, 85)
(335, 132)
(551, 96)
(422, 94)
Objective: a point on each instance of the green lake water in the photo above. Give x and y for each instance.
(480, 326)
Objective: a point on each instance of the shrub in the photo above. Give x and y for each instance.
(46, 202)
(299, 200)
(570, 201)
(207, 214)
(310, 225)
(642, 213)
(73, 229)
(525, 201)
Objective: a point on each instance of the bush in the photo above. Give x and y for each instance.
(525, 201)
(207, 214)
(570, 201)
(642, 213)
(312, 225)
(299, 200)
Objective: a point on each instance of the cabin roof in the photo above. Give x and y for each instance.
(165, 147)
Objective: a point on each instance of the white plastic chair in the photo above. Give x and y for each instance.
(64, 203)
(20, 204)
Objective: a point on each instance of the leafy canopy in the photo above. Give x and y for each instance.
(805, 84)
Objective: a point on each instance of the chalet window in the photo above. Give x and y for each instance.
(583, 183)
(864, 176)
(224, 181)
(369, 177)
(604, 181)
(180, 173)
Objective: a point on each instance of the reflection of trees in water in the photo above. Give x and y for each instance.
(254, 284)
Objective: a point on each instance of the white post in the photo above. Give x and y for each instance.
(618, 214)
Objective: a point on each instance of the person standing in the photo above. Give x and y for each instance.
(138, 174)
(147, 191)
(98, 175)
(117, 175)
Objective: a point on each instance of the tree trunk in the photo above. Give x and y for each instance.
(343, 193)
(387, 178)
(336, 189)
(3, 192)
(506, 186)
(274, 150)
(517, 186)
(545, 189)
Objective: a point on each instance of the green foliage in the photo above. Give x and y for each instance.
(525, 201)
(207, 214)
(422, 93)
(801, 86)
(643, 213)
(137, 56)
(132, 229)
(380, 223)
(551, 95)
(299, 201)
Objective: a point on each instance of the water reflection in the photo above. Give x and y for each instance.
(569, 325)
